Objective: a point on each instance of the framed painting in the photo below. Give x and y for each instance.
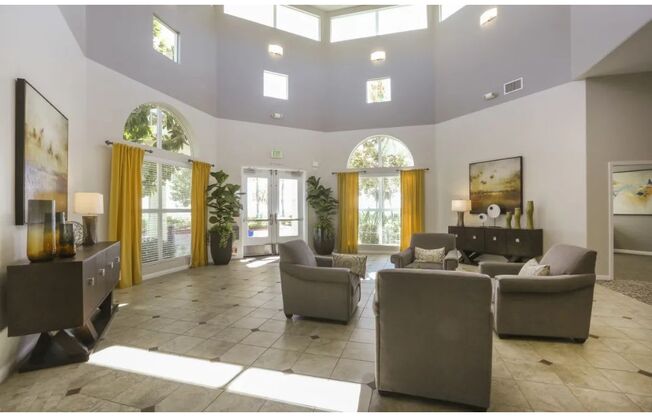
(496, 182)
(41, 151)
(632, 192)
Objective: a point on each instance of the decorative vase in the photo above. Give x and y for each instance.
(220, 255)
(529, 212)
(323, 242)
(66, 242)
(41, 242)
(508, 219)
(517, 218)
(59, 219)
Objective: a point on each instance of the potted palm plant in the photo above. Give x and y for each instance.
(223, 206)
(320, 198)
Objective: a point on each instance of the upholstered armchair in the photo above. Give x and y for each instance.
(433, 335)
(405, 259)
(312, 287)
(557, 306)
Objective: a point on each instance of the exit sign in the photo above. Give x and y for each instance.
(276, 154)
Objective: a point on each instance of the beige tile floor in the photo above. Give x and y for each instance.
(216, 339)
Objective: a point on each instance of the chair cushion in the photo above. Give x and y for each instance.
(566, 259)
(436, 255)
(355, 263)
(533, 268)
(297, 252)
(425, 265)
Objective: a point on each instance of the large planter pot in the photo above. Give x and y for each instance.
(221, 255)
(324, 243)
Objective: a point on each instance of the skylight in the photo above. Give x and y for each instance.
(286, 18)
(379, 90)
(165, 40)
(379, 22)
(447, 10)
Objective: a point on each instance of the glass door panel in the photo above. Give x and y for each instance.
(257, 218)
(289, 209)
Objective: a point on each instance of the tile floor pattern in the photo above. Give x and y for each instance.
(233, 314)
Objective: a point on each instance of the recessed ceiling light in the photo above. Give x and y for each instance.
(377, 56)
(275, 50)
(488, 16)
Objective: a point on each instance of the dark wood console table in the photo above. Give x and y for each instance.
(68, 301)
(515, 244)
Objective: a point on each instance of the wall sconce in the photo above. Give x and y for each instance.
(488, 16)
(275, 50)
(377, 56)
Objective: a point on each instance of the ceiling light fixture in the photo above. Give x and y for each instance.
(377, 56)
(275, 50)
(488, 16)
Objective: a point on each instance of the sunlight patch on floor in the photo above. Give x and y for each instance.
(166, 366)
(261, 262)
(320, 393)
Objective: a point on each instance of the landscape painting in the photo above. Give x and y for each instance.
(496, 182)
(632, 192)
(41, 151)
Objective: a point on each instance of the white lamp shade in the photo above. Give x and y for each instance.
(460, 205)
(89, 203)
(275, 49)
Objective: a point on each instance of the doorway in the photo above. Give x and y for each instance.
(274, 209)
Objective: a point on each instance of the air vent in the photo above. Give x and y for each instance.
(513, 86)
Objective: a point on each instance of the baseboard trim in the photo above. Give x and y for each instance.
(635, 252)
(167, 271)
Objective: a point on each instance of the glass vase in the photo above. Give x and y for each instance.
(59, 218)
(66, 243)
(41, 234)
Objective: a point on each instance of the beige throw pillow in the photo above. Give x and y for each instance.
(422, 255)
(533, 268)
(357, 264)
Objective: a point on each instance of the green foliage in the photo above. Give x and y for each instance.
(224, 205)
(320, 198)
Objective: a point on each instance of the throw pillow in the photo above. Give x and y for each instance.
(357, 264)
(422, 255)
(533, 268)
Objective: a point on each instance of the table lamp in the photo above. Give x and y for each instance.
(89, 205)
(460, 206)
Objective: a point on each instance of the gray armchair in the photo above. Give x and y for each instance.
(433, 335)
(557, 306)
(429, 241)
(312, 287)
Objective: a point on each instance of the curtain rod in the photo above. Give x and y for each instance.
(399, 170)
(190, 161)
(109, 143)
(349, 171)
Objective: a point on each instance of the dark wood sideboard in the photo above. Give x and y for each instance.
(515, 244)
(68, 301)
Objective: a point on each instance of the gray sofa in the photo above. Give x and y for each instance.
(557, 306)
(405, 259)
(312, 287)
(433, 335)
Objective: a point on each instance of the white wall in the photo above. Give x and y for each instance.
(548, 129)
(41, 49)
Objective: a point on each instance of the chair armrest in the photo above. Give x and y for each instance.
(324, 261)
(494, 268)
(318, 274)
(403, 258)
(451, 260)
(544, 284)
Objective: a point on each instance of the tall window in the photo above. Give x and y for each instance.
(379, 200)
(166, 183)
(286, 18)
(165, 39)
(379, 22)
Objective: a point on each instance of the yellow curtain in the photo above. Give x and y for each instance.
(347, 190)
(125, 210)
(199, 212)
(413, 204)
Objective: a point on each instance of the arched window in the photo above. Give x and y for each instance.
(380, 152)
(379, 198)
(156, 126)
(166, 182)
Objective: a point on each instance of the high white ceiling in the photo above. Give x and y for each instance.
(332, 7)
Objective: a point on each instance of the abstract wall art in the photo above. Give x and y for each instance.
(496, 182)
(632, 192)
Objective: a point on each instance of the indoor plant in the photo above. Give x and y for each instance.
(320, 198)
(223, 206)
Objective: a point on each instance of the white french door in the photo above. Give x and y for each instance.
(274, 206)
